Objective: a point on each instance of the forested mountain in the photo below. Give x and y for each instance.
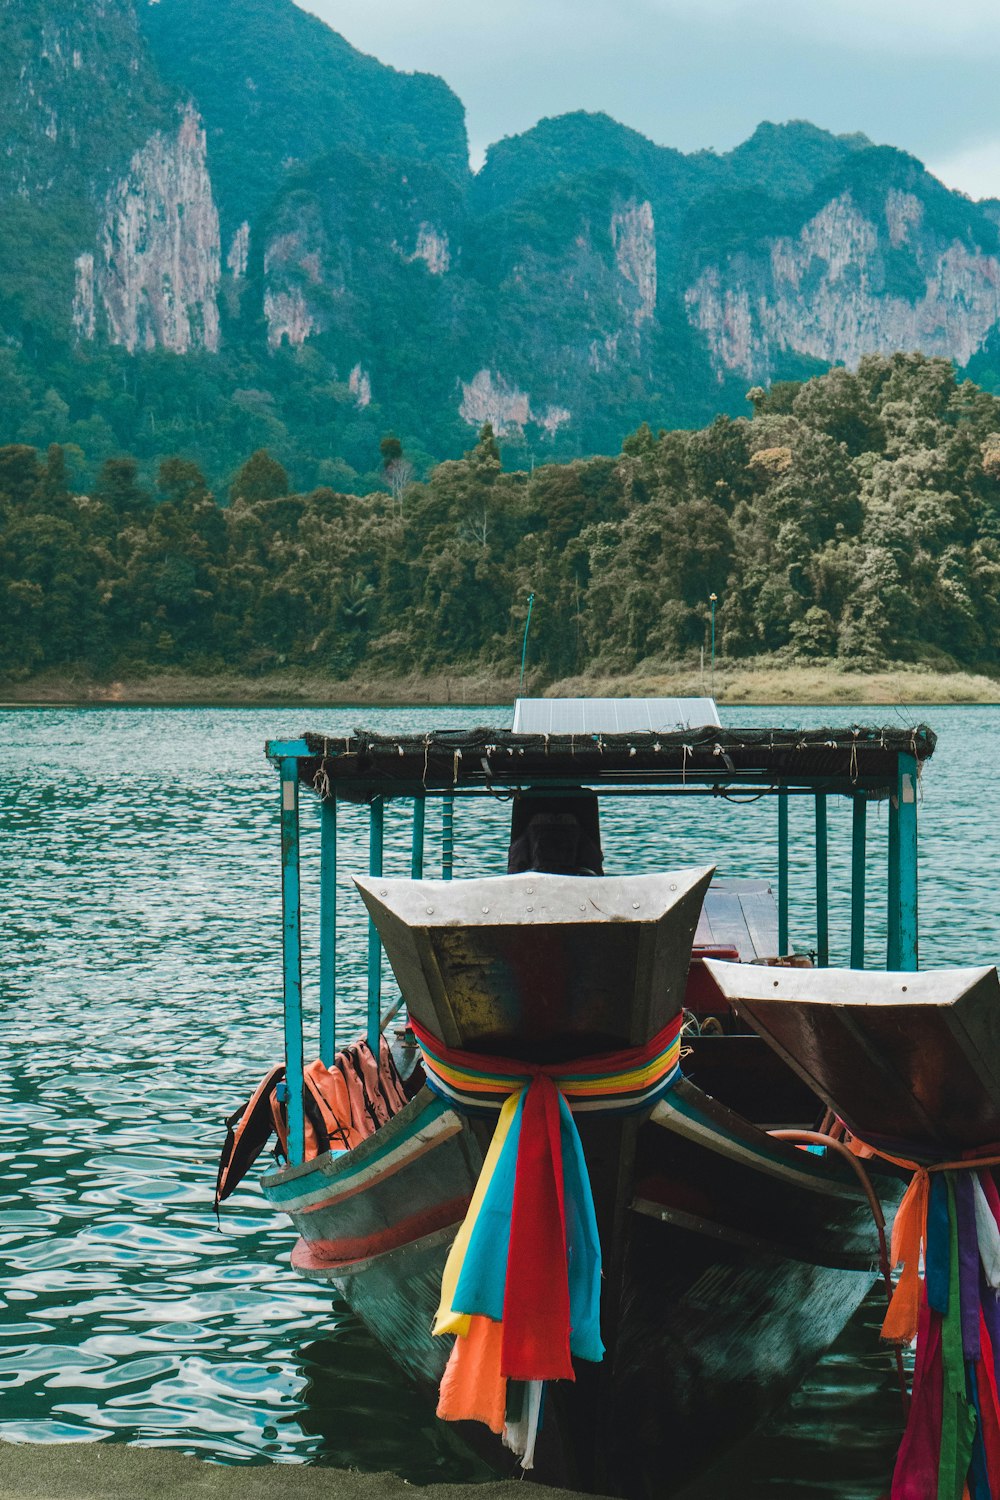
(222, 228)
(853, 515)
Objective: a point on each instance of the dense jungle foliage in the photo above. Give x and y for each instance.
(852, 515)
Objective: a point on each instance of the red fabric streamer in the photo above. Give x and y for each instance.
(988, 1403)
(536, 1301)
(916, 1472)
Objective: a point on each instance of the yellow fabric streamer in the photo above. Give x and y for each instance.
(447, 1320)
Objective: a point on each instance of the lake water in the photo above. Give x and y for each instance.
(140, 983)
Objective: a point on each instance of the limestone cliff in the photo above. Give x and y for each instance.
(231, 183)
(633, 234)
(488, 397)
(827, 291)
(155, 280)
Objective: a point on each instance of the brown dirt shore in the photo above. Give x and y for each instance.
(117, 1471)
(764, 683)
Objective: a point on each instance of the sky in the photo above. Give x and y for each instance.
(923, 75)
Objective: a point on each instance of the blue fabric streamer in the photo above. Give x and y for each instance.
(483, 1276)
(583, 1244)
(938, 1252)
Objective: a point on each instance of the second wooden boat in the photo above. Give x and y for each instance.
(908, 1061)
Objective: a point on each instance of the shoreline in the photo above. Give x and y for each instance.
(122, 1471)
(763, 683)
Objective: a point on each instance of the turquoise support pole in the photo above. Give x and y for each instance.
(417, 847)
(892, 951)
(713, 599)
(328, 930)
(291, 951)
(907, 844)
(524, 648)
(783, 871)
(376, 830)
(858, 836)
(822, 886)
(447, 836)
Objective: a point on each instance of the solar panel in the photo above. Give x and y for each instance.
(612, 715)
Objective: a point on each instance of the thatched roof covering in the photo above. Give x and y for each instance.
(847, 760)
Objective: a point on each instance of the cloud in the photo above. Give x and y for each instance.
(899, 27)
(915, 28)
(972, 169)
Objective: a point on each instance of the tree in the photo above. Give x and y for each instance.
(181, 482)
(19, 473)
(260, 478)
(397, 469)
(487, 450)
(118, 487)
(53, 493)
(838, 405)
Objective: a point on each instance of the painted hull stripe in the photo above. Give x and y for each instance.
(334, 1187)
(402, 1259)
(334, 1255)
(705, 1133)
(290, 1184)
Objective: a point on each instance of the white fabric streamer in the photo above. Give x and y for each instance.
(520, 1436)
(988, 1234)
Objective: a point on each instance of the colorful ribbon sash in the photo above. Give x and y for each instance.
(521, 1286)
(951, 1214)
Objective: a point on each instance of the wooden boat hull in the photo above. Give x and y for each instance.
(740, 1260)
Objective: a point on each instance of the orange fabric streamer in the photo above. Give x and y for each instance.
(909, 1233)
(472, 1387)
(909, 1230)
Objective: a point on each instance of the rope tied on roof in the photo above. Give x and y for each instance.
(843, 760)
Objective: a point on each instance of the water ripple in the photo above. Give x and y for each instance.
(140, 984)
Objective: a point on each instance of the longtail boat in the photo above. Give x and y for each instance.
(910, 1065)
(728, 1257)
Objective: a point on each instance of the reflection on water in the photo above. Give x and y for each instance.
(140, 983)
(836, 1438)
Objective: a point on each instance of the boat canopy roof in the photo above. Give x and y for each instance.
(853, 761)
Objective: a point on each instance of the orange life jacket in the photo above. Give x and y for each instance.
(343, 1105)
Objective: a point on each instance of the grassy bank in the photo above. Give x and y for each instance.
(273, 690)
(771, 683)
(763, 682)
